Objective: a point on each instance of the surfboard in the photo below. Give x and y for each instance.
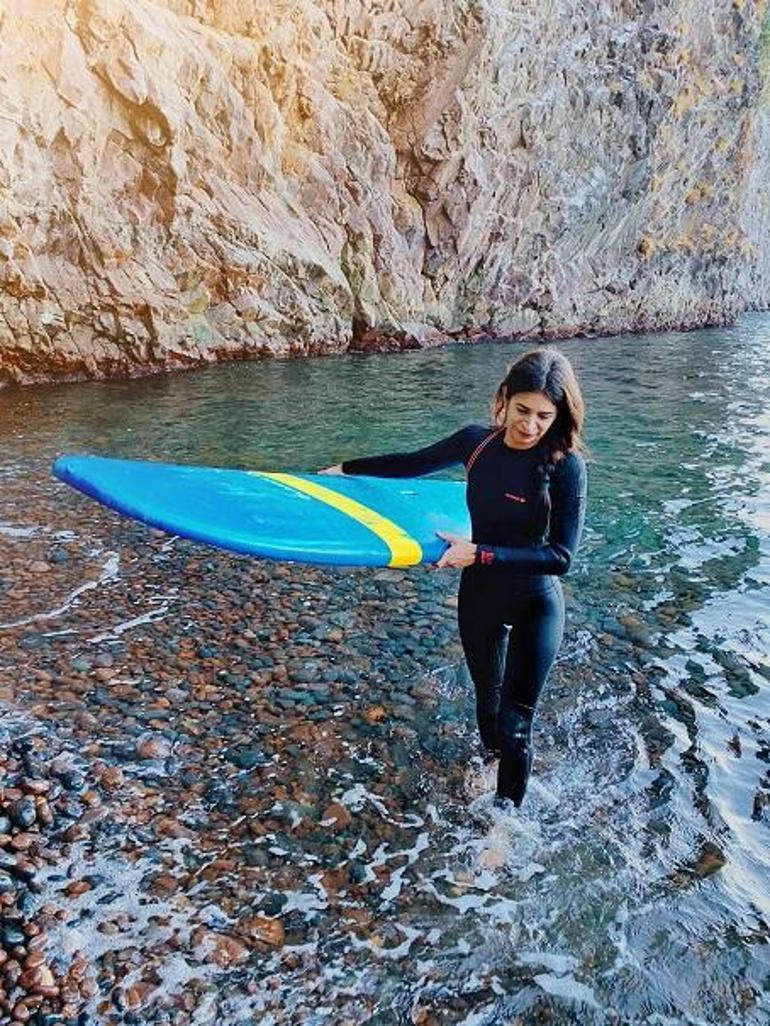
(310, 518)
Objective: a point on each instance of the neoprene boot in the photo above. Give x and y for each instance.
(516, 753)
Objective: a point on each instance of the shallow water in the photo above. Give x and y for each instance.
(634, 886)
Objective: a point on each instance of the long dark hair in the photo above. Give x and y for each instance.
(548, 371)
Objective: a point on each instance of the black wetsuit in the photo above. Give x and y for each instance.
(526, 517)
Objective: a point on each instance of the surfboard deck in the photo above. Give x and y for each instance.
(309, 518)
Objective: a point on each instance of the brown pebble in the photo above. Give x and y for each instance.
(112, 778)
(711, 860)
(220, 948)
(375, 713)
(11, 972)
(40, 978)
(36, 787)
(164, 884)
(336, 817)
(85, 720)
(77, 887)
(47, 992)
(153, 748)
(44, 812)
(139, 994)
(24, 841)
(70, 992)
(217, 868)
(45, 979)
(261, 930)
(75, 833)
(168, 826)
(79, 966)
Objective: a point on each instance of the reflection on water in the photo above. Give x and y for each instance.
(634, 885)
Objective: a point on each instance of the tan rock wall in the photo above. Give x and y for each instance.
(203, 179)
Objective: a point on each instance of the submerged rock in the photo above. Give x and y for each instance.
(247, 757)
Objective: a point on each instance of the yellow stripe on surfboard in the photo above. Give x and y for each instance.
(404, 550)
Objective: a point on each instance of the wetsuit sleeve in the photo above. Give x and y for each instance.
(445, 453)
(568, 502)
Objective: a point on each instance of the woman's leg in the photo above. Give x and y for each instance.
(484, 639)
(537, 627)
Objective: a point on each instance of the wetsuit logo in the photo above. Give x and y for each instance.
(515, 498)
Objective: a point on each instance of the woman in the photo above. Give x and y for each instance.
(526, 496)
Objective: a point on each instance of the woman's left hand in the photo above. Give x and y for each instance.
(460, 553)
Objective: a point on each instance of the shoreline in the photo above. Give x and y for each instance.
(13, 377)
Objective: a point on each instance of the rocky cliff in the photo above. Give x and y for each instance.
(190, 180)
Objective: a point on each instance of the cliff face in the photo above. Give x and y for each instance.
(188, 180)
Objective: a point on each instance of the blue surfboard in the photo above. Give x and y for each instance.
(310, 518)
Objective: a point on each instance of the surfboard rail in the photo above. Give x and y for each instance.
(311, 518)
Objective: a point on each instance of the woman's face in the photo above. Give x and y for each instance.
(528, 416)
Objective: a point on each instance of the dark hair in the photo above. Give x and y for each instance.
(550, 372)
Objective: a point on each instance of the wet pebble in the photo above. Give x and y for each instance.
(7, 862)
(247, 757)
(32, 642)
(7, 883)
(23, 812)
(110, 777)
(262, 931)
(336, 817)
(12, 935)
(273, 903)
(357, 872)
(72, 779)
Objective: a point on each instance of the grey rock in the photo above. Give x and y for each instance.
(22, 812)
(12, 935)
(7, 883)
(247, 757)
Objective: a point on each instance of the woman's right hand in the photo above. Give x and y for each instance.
(336, 469)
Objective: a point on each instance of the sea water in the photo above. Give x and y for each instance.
(634, 884)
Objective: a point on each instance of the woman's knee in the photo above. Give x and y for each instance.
(514, 722)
